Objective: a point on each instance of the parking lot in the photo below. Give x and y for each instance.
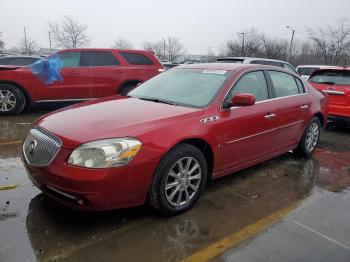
(286, 209)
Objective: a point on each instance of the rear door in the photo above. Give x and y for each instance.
(292, 107)
(141, 68)
(101, 73)
(248, 133)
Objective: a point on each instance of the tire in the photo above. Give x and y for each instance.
(310, 138)
(181, 194)
(126, 88)
(12, 100)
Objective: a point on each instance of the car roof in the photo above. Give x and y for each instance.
(319, 66)
(232, 67)
(19, 56)
(251, 58)
(105, 49)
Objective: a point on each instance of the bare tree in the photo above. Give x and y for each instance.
(69, 34)
(29, 48)
(273, 48)
(2, 43)
(333, 42)
(174, 48)
(122, 43)
(166, 49)
(252, 44)
(159, 48)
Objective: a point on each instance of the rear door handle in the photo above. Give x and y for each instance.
(304, 107)
(270, 116)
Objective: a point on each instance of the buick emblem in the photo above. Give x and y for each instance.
(32, 147)
(331, 88)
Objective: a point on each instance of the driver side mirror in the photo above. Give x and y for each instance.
(242, 99)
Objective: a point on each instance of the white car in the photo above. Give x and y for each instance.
(306, 70)
(255, 60)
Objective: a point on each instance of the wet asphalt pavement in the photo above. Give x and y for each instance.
(33, 227)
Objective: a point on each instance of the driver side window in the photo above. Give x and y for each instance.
(252, 83)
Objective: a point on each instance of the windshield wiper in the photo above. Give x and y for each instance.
(157, 100)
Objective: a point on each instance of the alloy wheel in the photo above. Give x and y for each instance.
(7, 101)
(183, 181)
(312, 136)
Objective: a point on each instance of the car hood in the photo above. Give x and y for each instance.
(111, 118)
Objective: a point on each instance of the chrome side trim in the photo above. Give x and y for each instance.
(267, 131)
(64, 100)
(257, 134)
(332, 92)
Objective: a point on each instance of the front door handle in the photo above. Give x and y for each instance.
(270, 116)
(304, 107)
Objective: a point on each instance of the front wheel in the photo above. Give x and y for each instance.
(12, 100)
(311, 136)
(179, 180)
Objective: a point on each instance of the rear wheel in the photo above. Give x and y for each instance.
(179, 180)
(311, 136)
(12, 100)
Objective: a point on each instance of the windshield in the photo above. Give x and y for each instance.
(187, 87)
(334, 77)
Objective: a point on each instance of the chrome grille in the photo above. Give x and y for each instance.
(39, 148)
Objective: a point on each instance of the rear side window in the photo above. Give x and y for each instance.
(136, 58)
(70, 59)
(258, 62)
(306, 70)
(98, 58)
(228, 60)
(253, 83)
(273, 63)
(4, 61)
(284, 84)
(332, 77)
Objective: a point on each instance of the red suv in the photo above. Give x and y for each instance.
(170, 135)
(87, 74)
(335, 83)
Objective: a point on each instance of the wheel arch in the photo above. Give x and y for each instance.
(321, 117)
(205, 148)
(127, 83)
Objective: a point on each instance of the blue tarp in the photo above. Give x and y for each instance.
(48, 70)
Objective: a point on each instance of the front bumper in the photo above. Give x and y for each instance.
(93, 189)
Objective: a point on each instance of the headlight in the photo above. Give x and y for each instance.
(105, 153)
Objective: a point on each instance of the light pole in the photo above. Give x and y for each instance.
(25, 40)
(50, 42)
(291, 41)
(242, 52)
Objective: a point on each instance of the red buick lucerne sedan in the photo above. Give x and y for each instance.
(162, 142)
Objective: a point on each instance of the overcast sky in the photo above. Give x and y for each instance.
(199, 24)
